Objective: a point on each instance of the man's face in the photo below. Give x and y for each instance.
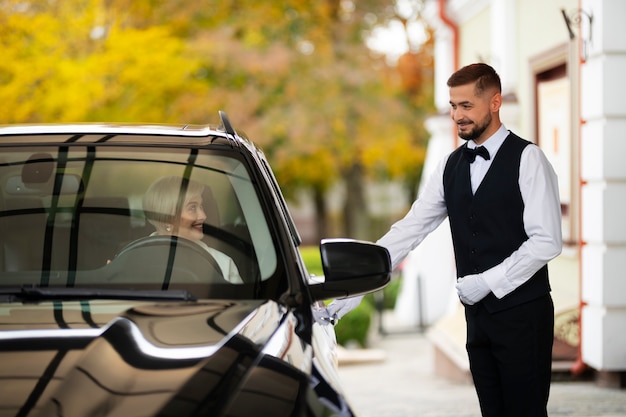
(471, 113)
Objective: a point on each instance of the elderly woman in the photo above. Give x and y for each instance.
(160, 204)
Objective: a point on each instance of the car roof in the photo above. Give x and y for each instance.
(127, 133)
(32, 128)
(124, 134)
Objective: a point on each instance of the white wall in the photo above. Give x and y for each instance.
(603, 143)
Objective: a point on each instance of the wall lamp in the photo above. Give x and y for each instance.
(575, 18)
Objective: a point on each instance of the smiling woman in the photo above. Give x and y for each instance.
(175, 207)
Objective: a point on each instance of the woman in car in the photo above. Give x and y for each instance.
(160, 204)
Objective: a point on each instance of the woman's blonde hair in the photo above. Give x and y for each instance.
(165, 195)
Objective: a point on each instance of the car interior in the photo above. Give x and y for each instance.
(73, 217)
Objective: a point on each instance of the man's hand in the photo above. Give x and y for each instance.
(324, 317)
(472, 289)
(334, 311)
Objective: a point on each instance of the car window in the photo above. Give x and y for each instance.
(74, 215)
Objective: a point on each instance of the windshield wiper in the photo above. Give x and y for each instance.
(71, 293)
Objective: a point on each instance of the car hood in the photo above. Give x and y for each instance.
(108, 358)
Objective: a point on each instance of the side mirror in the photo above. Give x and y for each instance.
(351, 268)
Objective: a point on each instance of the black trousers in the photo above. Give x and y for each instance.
(510, 356)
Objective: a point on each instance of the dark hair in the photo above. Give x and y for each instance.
(483, 75)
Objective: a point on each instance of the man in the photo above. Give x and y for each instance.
(501, 196)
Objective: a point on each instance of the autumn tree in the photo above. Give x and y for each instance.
(296, 73)
(74, 60)
(320, 104)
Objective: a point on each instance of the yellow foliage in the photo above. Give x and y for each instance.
(295, 73)
(63, 65)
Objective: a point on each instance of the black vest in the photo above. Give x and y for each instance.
(488, 226)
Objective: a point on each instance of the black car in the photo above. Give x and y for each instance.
(155, 271)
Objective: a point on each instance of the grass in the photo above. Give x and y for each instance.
(312, 259)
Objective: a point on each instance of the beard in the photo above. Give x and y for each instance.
(477, 130)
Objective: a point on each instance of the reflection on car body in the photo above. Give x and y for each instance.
(101, 316)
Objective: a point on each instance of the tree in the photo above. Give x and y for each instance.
(317, 100)
(296, 73)
(67, 62)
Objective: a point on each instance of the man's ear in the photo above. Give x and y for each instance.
(495, 103)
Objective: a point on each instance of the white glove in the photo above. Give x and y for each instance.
(335, 310)
(339, 308)
(472, 289)
(323, 316)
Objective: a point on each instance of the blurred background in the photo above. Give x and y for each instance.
(335, 92)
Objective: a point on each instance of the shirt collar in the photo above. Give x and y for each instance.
(494, 142)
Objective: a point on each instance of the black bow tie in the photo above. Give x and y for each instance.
(470, 154)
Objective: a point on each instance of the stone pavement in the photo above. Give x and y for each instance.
(395, 378)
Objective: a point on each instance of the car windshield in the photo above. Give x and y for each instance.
(134, 218)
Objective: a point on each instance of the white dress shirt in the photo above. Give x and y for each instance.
(542, 216)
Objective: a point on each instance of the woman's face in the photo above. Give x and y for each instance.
(191, 219)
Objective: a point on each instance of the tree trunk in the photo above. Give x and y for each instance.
(321, 214)
(355, 216)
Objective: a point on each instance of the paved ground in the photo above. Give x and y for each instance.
(399, 381)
